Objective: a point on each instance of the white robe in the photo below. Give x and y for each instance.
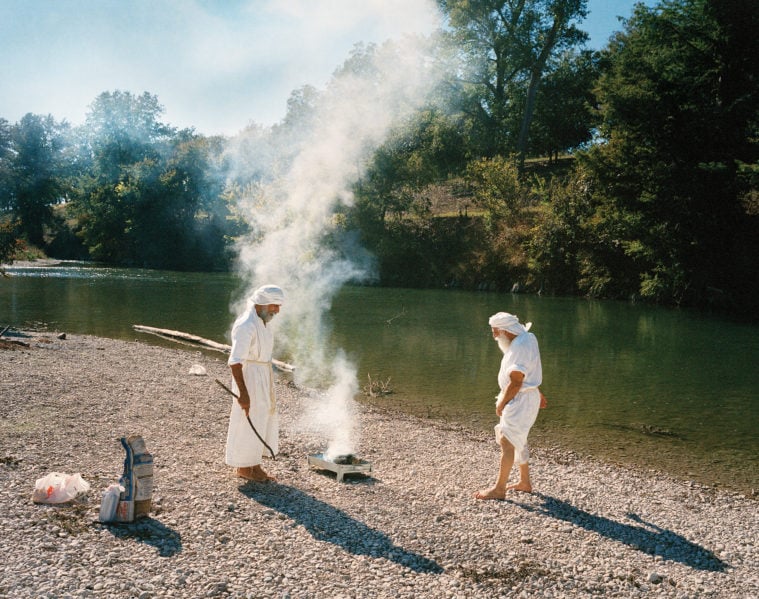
(252, 344)
(521, 412)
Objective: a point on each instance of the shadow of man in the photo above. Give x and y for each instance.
(331, 525)
(647, 537)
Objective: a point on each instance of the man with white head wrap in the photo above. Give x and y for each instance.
(250, 362)
(518, 402)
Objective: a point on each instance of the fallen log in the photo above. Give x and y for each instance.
(8, 343)
(194, 340)
(179, 335)
(5, 343)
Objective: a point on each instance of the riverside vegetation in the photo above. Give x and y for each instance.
(649, 190)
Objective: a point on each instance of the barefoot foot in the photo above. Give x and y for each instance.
(490, 494)
(260, 472)
(520, 486)
(256, 475)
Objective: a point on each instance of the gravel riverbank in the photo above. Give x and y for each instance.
(411, 529)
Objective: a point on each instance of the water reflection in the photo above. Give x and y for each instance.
(658, 388)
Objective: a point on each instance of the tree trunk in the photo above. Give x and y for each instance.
(529, 108)
(535, 75)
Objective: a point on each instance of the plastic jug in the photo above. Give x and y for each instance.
(110, 502)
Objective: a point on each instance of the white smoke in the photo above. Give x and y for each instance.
(333, 413)
(292, 208)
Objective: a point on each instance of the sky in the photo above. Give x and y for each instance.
(215, 65)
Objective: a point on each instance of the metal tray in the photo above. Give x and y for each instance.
(355, 465)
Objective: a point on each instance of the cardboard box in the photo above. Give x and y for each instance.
(137, 480)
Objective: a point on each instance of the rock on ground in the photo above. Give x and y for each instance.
(411, 529)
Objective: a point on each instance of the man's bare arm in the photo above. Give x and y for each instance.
(511, 390)
(244, 399)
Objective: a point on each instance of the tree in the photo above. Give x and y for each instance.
(507, 44)
(122, 129)
(153, 196)
(555, 34)
(496, 187)
(121, 141)
(679, 108)
(564, 109)
(300, 119)
(36, 171)
(8, 232)
(6, 160)
(186, 223)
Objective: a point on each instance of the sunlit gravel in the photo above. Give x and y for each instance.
(411, 529)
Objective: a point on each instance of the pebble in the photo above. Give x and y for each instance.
(411, 529)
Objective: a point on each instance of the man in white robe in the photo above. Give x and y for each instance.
(250, 362)
(518, 402)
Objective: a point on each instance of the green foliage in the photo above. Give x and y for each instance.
(433, 147)
(669, 216)
(6, 158)
(123, 129)
(8, 241)
(431, 252)
(154, 196)
(557, 244)
(35, 173)
(421, 152)
(504, 51)
(564, 117)
(496, 187)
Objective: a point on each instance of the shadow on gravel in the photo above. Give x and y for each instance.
(647, 537)
(331, 525)
(168, 542)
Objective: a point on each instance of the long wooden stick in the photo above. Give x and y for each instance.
(179, 336)
(250, 422)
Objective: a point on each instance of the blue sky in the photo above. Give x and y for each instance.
(215, 65)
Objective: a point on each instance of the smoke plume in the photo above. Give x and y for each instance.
(304, 172)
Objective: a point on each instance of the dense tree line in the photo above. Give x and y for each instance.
(123, 188)
(626, 173)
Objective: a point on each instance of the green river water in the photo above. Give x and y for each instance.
(651, 387)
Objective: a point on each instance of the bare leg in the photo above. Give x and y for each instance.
(524, 484)
(498, 491)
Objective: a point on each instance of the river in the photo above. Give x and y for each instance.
(656, 388)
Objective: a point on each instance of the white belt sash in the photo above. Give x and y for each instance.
(272, 398)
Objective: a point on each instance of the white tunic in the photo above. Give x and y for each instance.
(252, 345)
(521, 412)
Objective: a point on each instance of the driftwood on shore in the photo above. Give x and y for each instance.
(194, 340)
(7, 343)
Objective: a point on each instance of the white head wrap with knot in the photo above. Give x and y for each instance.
(268, 294)
(508, 322)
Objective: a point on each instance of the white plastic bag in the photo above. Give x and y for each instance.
(58, 487)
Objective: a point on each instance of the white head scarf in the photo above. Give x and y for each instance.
(508, 322)
(268, 294)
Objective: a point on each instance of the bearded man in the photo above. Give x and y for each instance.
(250, 362)
(518, 402)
